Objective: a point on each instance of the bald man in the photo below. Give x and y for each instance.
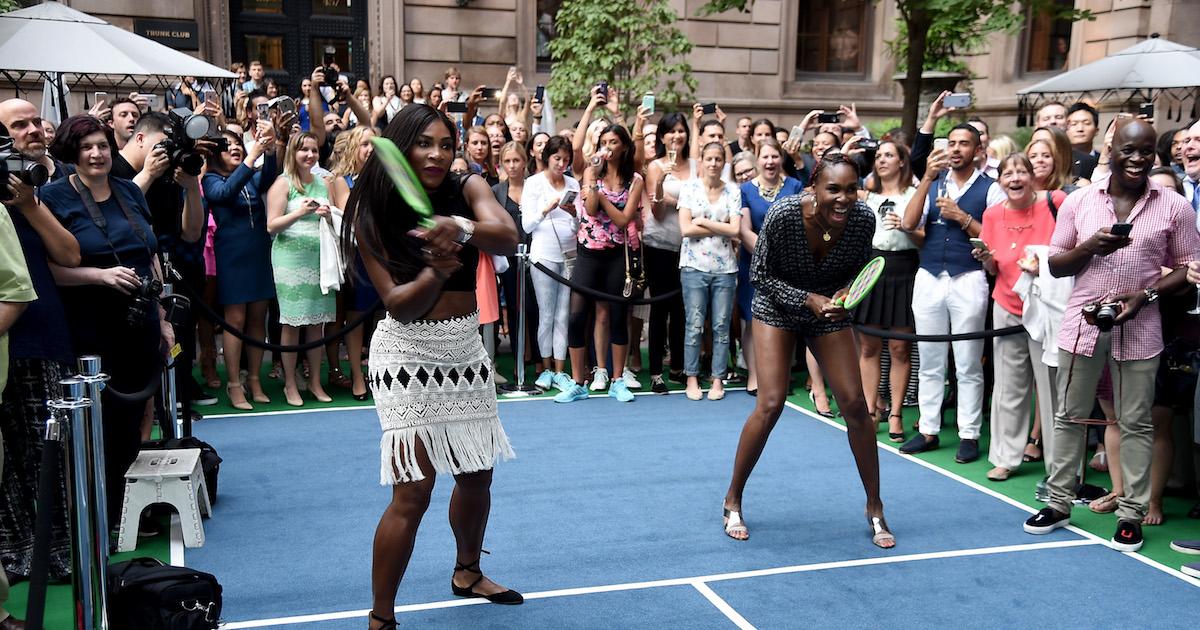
(24, 124)
(1114, 237)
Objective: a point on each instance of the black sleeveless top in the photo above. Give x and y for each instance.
(448, 200)
(452, 201)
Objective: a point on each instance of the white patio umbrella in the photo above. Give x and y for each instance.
(53, 40)
(1153, 64)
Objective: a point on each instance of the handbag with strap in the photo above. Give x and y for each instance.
(635, 273)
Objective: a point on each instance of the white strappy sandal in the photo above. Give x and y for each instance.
(734, 523)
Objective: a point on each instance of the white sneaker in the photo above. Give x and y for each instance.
(631, 379)
(599, 379)
(498, 378)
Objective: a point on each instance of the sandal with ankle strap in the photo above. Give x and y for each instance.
(388, 624)
(897, 438)
(508, 598)
(880, 533)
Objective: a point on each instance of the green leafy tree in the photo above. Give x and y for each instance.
(935, 34)
(9, 5)
(632, 44)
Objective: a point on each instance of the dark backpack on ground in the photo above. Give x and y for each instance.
(148, 595)
(210, 462)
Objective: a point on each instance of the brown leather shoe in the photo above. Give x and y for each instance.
(12, 623)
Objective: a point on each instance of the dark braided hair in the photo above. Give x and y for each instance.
(831, 159)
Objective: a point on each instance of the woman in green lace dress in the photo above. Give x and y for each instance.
(296, 205)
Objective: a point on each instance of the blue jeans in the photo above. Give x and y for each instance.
(704, 293)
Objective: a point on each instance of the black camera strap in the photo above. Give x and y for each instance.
(93, 209)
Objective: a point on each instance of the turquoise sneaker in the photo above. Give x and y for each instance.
(563, 382)
(545, 380)
(617, 389)
(575, 392)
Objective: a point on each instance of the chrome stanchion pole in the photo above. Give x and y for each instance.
(72, 406)
(520, 389)
(94, 379)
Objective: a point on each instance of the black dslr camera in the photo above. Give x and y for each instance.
(143, 298)
(1102, 315)
(11, 161)
(183, 132)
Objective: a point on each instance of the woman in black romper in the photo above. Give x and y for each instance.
(810, 248)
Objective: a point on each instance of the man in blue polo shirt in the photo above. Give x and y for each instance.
(950, 294)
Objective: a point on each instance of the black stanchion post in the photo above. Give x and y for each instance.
(169, 417)
(91, 375)
(52, 452)
(519, 388)
(73, 405)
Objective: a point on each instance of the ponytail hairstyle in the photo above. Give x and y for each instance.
(375, 214)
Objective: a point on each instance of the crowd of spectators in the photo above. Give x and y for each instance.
(977, 232)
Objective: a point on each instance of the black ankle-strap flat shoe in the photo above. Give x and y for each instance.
(507, 598)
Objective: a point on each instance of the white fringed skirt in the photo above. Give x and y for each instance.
(432, 380)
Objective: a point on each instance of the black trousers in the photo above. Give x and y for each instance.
(666, 316)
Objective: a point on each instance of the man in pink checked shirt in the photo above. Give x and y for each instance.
(1127, 271)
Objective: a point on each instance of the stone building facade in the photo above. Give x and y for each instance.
(781, 58)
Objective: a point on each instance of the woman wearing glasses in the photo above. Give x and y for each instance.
(888, 306)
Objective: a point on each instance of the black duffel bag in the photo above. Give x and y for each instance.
(210, 462)
(147, 595)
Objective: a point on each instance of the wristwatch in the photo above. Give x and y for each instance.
(466, 229)
(1151, 295)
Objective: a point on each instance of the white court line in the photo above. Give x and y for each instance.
(1009, 500)
(687, 581)
(723, 606)
(255, 414)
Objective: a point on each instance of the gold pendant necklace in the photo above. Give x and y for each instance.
(816, 218)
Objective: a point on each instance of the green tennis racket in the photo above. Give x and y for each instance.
(862, 285)
(404, 179)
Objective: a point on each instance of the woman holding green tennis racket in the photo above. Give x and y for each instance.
(421, 232)
(809, 249)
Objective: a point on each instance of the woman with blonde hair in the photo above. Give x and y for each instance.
(296, 204)
(350, 153)
(1050, 153)
(1001, 147)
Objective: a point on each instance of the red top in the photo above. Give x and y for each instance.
(1006, 232)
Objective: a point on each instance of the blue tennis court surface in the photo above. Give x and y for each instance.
(611, 518)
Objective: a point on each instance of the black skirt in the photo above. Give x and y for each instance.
(889, 304)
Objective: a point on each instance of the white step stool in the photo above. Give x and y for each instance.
(165, 476)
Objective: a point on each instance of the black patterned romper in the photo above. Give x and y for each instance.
(783, 271)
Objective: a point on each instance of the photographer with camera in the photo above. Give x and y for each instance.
(1114, 237)
(24, 124)
(168, 174)
(112, 297)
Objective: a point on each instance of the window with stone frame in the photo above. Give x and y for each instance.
(547, 10)
(1047, 40)
(833, 37)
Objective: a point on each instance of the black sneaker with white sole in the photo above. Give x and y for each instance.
(1046, 521)
(1128, 536)
(1192, 569)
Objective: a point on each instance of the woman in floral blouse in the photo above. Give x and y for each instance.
(710, 214)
